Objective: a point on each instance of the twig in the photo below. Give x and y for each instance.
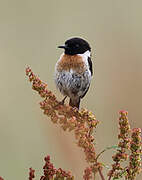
(110, 176)
(101, 174)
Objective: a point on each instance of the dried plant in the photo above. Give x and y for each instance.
(135, 157)
(117, 170)
(31, 174)
(82, 123)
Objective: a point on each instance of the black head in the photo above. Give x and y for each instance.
(76, 46)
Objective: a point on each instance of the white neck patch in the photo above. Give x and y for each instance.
(87, 53)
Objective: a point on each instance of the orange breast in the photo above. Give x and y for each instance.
(68, 62)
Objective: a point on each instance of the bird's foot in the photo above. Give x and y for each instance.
(61, 102)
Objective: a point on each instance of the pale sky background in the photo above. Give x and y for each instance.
(30, 31)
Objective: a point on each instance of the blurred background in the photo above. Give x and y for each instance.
(30, 32)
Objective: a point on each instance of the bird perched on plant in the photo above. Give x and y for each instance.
(73, 70)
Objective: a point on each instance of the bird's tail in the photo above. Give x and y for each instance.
(74, 103)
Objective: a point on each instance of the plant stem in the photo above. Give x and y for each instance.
(110, 176)
(101, 174)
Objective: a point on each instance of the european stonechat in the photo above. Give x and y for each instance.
(73, 70)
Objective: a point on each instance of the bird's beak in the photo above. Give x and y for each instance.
(63, 47)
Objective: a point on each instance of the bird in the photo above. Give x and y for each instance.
(73, 70)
